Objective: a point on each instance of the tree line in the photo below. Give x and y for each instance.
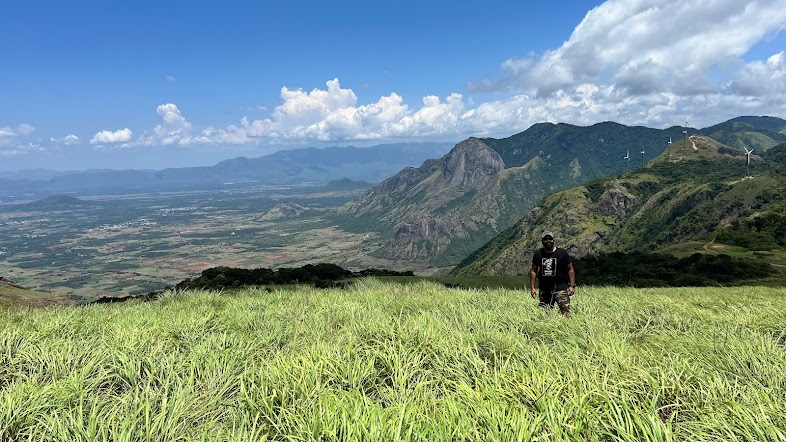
(639, 269)
(320, 275)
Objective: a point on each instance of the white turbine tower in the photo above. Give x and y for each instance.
(642, 159)
(627, 161)
(748, 164)
(669, 147)
(685, 136)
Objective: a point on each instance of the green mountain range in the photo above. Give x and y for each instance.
(449, 207)
(704, 194)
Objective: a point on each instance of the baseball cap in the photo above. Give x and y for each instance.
(547, 233)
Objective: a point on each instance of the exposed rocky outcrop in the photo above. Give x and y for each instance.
(614, 201)
(470, 163)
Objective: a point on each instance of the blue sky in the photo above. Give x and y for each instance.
(154, 84)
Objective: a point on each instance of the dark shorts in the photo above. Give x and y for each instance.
(549, 297)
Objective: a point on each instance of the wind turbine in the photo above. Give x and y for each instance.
(669, 147)
(748, 165)
(642, 159)
(627, 161)
(685, 136)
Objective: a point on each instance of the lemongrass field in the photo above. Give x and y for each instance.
(385, 361)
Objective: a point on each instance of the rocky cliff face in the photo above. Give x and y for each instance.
(444, 201)
(614, 201)
(471, 163)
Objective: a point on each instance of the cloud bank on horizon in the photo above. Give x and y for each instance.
(649, 62)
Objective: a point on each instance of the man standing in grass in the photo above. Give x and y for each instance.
(553, 268)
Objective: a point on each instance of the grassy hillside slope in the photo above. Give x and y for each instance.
(390, 362)
(12, 295)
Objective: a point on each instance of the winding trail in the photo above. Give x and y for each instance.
(693, 143)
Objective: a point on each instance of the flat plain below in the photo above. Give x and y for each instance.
(134, 244)
(387, 361)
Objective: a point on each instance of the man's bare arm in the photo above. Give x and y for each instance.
(533, 274)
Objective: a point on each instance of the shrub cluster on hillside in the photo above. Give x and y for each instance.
(765, 232)
(776, 155)
(638, 269)
(320, 275)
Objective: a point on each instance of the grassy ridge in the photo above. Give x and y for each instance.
(12, 296)
(386, 361)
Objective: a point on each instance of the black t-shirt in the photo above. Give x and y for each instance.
(552, 268)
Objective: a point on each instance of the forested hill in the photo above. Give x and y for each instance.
(701, 193)
(758, 133)
(561, 143)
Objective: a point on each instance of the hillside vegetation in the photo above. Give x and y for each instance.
(320, 275)
(699, 195)
(388, 362)
(449, 207)
(759, 133)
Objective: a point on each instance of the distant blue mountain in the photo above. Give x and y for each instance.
(318, 166)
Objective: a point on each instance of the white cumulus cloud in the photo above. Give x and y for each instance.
(107, 136)
(68, 140)
(653, 62)
(646, 46)
(175, 129)
(21, 130)
(334, 114)
(762, 78)
(172, 116)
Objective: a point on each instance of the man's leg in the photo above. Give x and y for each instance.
(563, 301)
(545, 299)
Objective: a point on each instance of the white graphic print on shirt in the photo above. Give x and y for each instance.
(548, 266)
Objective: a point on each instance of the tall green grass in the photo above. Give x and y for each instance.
(384, 361)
